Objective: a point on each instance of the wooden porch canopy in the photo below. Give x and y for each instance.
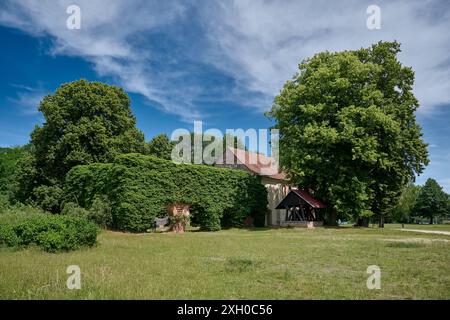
(300, 206)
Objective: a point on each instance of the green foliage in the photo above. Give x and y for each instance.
(348, 129)
(101, 212)
(74, 210)
(13, 214)
(48, 198)
(85, 122)
(432, 201)
(8, 236)
(51, 232)
(26, 178)
(139, 188)
(8, 160)
(3, 183)
(404, 209)
(160, 146)
(179, 220)
(4, 202)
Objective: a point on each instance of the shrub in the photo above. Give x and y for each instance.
(51, 232)
(8, 236)
(4, 203)
(178, 222)
(48, 198)
(139, 188)
(74, 210)
(8, 160)
(52, 241)
(100, 212)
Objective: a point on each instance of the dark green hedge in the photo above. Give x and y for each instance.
(51, 232)
(140, 187)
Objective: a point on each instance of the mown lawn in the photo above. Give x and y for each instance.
(239, 264)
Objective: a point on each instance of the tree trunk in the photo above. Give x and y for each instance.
(362, 222)
(381, 223)
(431, 220)
(333, 218)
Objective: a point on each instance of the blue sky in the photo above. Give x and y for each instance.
(221, 62)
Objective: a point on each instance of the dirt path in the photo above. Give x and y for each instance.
(447, 233)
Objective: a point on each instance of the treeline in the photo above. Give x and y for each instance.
(417, 203)
(88, 130)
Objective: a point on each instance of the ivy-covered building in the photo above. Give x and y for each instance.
(140, 188)
(276, 183)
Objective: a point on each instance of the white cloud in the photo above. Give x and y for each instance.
(106, 38)
(261, 42)
(257, 43)
(27, 99)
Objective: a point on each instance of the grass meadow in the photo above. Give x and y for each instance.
(324, 263)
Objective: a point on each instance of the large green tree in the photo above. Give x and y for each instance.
(160, 146)
(432, 201)
(348, 129)
(85, 122)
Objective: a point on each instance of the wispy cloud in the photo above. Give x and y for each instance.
(27, 98)
(112, 37)
(261, 42)
(161, 49)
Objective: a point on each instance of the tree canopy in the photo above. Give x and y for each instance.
(85, 122)
(403, 211)
(348, 129)
(8, 160)
(432, 201)
(160, 146)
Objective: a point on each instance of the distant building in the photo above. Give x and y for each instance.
(302, 209)
(276, 183)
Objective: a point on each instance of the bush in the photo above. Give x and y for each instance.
(8, 160)
(51, 232)
(178, 222)
(48, 198)
(74, 210)
(139, 188)
(4, 202)
(8, 236)
(101, 212)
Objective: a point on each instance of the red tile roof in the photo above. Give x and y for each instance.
(305, 195)
(257, 163)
